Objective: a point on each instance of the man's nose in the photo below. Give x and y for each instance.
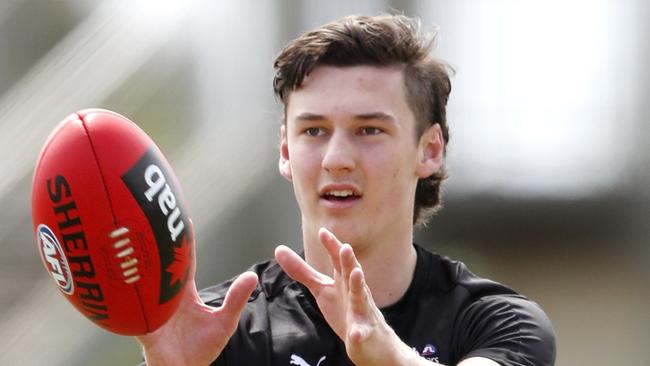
(339, 153)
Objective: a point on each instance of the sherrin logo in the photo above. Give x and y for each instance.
(54, 258)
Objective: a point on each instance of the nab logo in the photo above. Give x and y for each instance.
(54, 259)
(166, 200)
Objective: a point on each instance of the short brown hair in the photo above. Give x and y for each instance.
(382, 40)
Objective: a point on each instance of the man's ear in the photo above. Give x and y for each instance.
(284, 164)
(430, 152)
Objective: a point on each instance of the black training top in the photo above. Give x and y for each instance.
(447, 314)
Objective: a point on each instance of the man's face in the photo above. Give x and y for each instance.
(349, 147)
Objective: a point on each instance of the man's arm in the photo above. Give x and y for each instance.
(347, 305)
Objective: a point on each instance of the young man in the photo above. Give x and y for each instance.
(363, 143)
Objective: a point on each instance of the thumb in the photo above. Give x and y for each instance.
(237, 297)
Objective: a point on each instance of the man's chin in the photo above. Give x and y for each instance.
(346, 231)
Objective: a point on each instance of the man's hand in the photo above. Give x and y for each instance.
(346, 302)
(196, 334)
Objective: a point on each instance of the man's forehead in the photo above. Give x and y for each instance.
(370, 91)
(362, 75)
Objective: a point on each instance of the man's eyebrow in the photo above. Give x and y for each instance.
(306, 116)
(381, 116)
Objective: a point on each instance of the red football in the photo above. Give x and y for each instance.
(111, 225)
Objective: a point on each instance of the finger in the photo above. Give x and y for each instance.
(191, 294)
(348, 261)
(192, 246)
(301, 271)
(361, 302)
(237, 296)
(357, 285)
(332, 245)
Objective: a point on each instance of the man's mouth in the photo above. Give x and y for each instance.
(340, 195)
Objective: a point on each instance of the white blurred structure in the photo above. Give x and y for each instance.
(547, 97)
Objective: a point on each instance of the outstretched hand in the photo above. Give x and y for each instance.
(347, 304)
(196, 333)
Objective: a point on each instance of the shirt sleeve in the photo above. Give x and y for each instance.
(508, 329)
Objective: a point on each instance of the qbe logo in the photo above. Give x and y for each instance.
(54, 258)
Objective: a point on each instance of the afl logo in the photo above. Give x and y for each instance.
(54, 259)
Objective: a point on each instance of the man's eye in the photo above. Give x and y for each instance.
(370, 131)
(313, 131)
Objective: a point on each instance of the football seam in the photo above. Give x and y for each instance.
(110, 204)
(99, 167)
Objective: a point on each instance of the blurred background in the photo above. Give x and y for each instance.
(549, 163)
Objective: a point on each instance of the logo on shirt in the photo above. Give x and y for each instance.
(429, 352)
(297, 360)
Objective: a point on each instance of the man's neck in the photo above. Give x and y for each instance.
(388, 265)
